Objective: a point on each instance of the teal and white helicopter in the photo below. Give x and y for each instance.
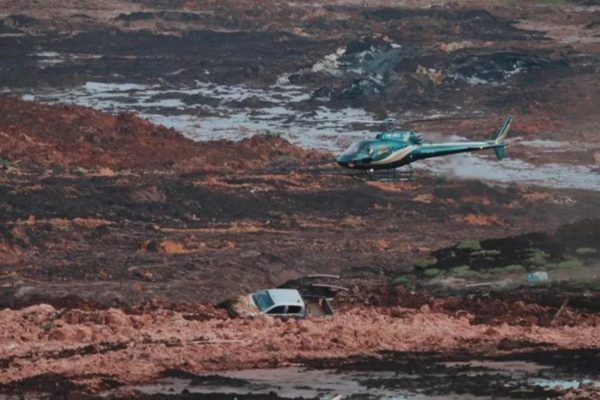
(391, 150)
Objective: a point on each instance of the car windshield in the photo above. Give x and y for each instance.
(262, 300)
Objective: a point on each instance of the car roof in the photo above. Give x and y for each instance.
(285, 297)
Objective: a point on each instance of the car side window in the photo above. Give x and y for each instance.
(294, 309)
(277, 310)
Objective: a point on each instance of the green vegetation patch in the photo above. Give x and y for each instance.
(537, 257)
(549, 267)
(486, 253)
(552, 2)
(585, 251)
(573, 263)
(402, 280)
(432, 272)
(271, 134)
(462, 271)
(495, 271)
(426, 262)
(469, 244)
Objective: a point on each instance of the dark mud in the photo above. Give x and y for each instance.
(146, 57)
(520, 375)
(163, 231)
(530, 375)
(396, 59)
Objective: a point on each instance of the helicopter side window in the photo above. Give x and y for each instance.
(370, 151)
(383, 150)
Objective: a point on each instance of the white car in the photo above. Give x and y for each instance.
(279, 302)
(282, 303)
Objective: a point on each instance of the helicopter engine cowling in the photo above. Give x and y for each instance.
(409, 137)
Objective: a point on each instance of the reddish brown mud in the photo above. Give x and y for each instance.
(119, 237)
(144, 240)
(72, 136)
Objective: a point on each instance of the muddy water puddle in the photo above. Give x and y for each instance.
(444, 380)
(208, 111)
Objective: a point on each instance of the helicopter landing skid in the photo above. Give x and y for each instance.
(395, 175)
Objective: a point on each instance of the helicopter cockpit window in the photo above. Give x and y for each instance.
(354, 148)
(370, 151)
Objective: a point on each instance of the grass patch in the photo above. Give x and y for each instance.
(585, 251)
(469, 244)
(537, 257)
(573, 263)
(463, 271)
(402, 280)
(486, 253)
(272, 134)
(426, 263)
(552, 2)
(432, 272)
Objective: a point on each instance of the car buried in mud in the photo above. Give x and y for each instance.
(295, 299)
(280, 303)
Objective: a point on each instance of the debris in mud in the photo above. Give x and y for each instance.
(372, 67)
(498, 67)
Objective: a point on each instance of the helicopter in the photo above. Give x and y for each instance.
(390, 150)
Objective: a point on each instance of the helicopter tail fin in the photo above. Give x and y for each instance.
(502, 134)
(499, 152)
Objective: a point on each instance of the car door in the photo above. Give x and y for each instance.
(277, 311)
(294, 311)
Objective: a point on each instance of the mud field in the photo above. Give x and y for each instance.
(158, 157)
